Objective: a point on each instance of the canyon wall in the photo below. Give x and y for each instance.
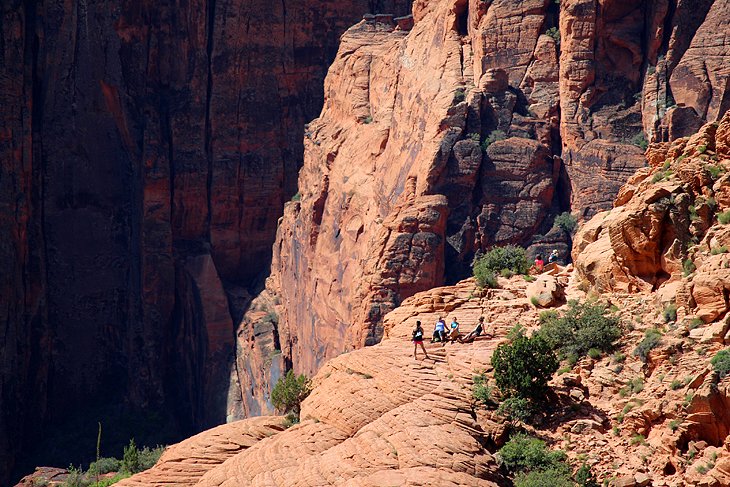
(147, 148)
(476, 127)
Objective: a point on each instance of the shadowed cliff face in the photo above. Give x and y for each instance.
(475, 128)
(147, 149)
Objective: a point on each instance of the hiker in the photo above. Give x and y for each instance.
(454, 332)
(539, 263)
(418, 340)
(439, 332)
(553, 259)
(477, 331)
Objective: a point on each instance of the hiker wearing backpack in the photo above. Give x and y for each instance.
(417, 338)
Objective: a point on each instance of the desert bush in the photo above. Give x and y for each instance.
(670, 313)
(544, 478)
(105, 465)
(652, 339)
(459, 95)
(553, 33)
(721, 363)
(724, 217)
(719, 250)
(475, 137)
(493, 137)
(289, 392)
(526, 453)
(566, 222)
(524, 366)
(582, 327)
(594, 353)
(639, 140)
(130, 460)
(509, 257)
(715, 171)
(516, 409)
(584, 477)
(148, 457)
(482, 392)
(688, 267)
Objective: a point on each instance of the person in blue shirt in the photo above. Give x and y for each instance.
(439, 331)
(454, 332)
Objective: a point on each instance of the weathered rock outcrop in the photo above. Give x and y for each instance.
(394, 188)
(147, 149)
(667, 222)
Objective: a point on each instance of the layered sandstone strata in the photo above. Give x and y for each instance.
(473, 129)
(147, 149)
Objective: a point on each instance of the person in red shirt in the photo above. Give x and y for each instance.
(539, 263)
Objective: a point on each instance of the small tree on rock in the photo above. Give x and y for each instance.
(523, 367)
(289, 392)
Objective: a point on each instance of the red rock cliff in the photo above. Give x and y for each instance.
(147, 148)
(396, 194)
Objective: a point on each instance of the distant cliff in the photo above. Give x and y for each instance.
(147, 148)
(475, 128)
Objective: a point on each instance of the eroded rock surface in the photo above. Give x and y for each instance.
(396, 195)
(147, 149)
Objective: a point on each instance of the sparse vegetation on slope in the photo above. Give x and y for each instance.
(582, 327)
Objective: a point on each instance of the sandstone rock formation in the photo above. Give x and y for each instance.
(376, 415)
(559, 96)
(667, 222)
(147, 149)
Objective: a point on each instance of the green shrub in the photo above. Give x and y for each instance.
(110, 481)
(674, 424)
(652, 339)
(566, 222)
(105, 465)
(493, 137)
(482, 392)
(670, 313)
(634, 386)
(516, 409)
(594, 353)
(508, 257)
(297, 196)
(367, 120)
(523, 367)
(582, 327)
(289, 392)
(553, 33)
(638, 440)
(526, 453)
(715, 171)
(724, 217)
(544, 478)
(148, 457)
(676, 384)
(618, 357)
(485, 277)
(702, 149)
(130, 460)
(475, 137)
(506, 273)
(721, 363)
(290, 420)
(584, 477)
(719, 250)
(688, 267)
(639, 140)
(459, 95)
